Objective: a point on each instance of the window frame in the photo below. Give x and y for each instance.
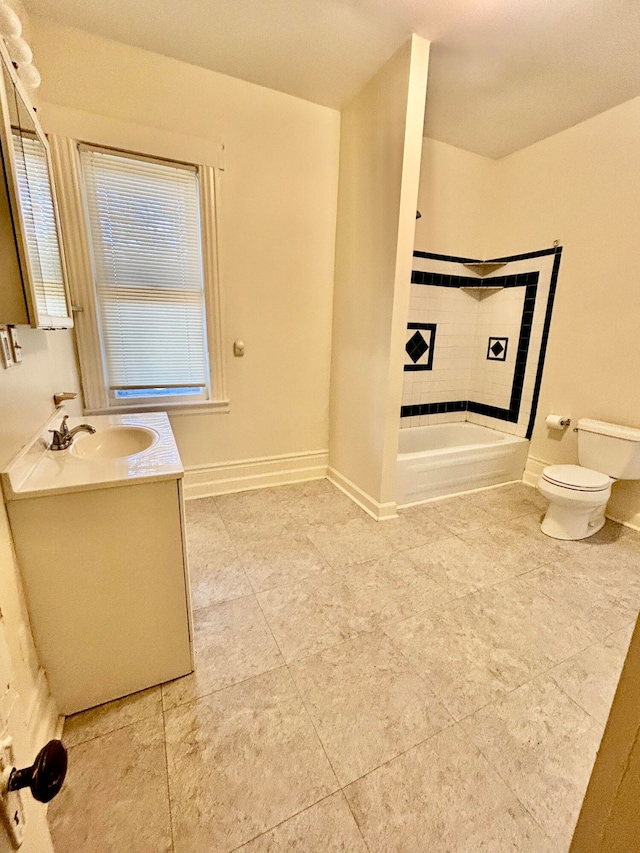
(67, 168)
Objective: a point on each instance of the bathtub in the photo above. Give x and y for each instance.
(446, 459)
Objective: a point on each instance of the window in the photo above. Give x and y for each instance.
(39, 223)
(143, 273)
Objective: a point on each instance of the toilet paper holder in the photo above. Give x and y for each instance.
(557, 421)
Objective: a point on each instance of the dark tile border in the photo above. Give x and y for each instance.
(545, 339)
(433, 408)
(524, 256)
(452, 258)
(437, 279)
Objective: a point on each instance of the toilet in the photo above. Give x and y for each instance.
(578, 494)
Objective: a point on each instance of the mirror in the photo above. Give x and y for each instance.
(26, 160)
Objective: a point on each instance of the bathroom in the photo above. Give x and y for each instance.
(317, 394)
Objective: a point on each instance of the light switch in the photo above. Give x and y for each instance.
(238, 349)
(16, 346)
(6, 353)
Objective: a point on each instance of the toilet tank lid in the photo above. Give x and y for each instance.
(614, 430)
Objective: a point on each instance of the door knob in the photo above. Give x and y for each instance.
(46, 774)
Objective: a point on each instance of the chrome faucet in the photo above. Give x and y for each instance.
(63, 437)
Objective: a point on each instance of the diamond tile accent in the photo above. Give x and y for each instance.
(416, 347)
(421, 338)
(497, 349)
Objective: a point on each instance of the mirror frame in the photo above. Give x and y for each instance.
(38, 318)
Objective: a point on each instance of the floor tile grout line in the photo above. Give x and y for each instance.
(542, 674)
(242, 560)
(458, 598)
(355, 820)
(304, 704)
(490, 763)
(322, 746)
(380, 626)
(402, 752)
(166, 765)
(579, 583)
(236, 551)
(423, 678)
(222, 601)
(219, 689)
(507, 692)
(521, 574)
(450, 723)
(580, 707)
(116, 728)
(487, 586)
(287, 819)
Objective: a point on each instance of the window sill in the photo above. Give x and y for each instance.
(203, 408)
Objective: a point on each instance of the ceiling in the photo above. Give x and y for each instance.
(503, 73)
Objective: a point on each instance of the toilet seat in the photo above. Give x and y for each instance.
(577, 478)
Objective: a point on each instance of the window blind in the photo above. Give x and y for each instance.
(39, 224)
(144, 226)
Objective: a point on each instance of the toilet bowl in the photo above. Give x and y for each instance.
(578, 494)
(577, 501)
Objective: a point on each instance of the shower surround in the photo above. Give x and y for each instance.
(475, 346)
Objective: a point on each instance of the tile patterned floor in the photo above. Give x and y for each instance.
(439, 682)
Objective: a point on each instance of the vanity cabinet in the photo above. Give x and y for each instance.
(33, 290)
(105, 580)
(99, 534)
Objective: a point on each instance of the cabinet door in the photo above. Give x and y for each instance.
(31, 196)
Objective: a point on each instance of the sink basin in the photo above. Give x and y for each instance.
(128, 448)
(114, 442)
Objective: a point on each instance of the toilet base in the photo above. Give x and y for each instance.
(571, 523)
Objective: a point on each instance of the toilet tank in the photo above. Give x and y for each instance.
(610, 448)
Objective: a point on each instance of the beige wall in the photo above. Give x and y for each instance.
(454, 199)
(25, 403)
(26, 390)
(582, 187)
(277, 227)
(380, 148)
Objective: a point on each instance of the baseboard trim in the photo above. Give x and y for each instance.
(381, 512)
(222, 478)
(533, 471)
(633, 522)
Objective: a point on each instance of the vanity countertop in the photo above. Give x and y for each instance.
(38, 472)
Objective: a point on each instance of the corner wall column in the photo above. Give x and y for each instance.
(380, 151)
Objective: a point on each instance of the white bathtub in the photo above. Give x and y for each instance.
(446, 459)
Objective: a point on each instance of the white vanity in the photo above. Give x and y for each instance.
(99, 535)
